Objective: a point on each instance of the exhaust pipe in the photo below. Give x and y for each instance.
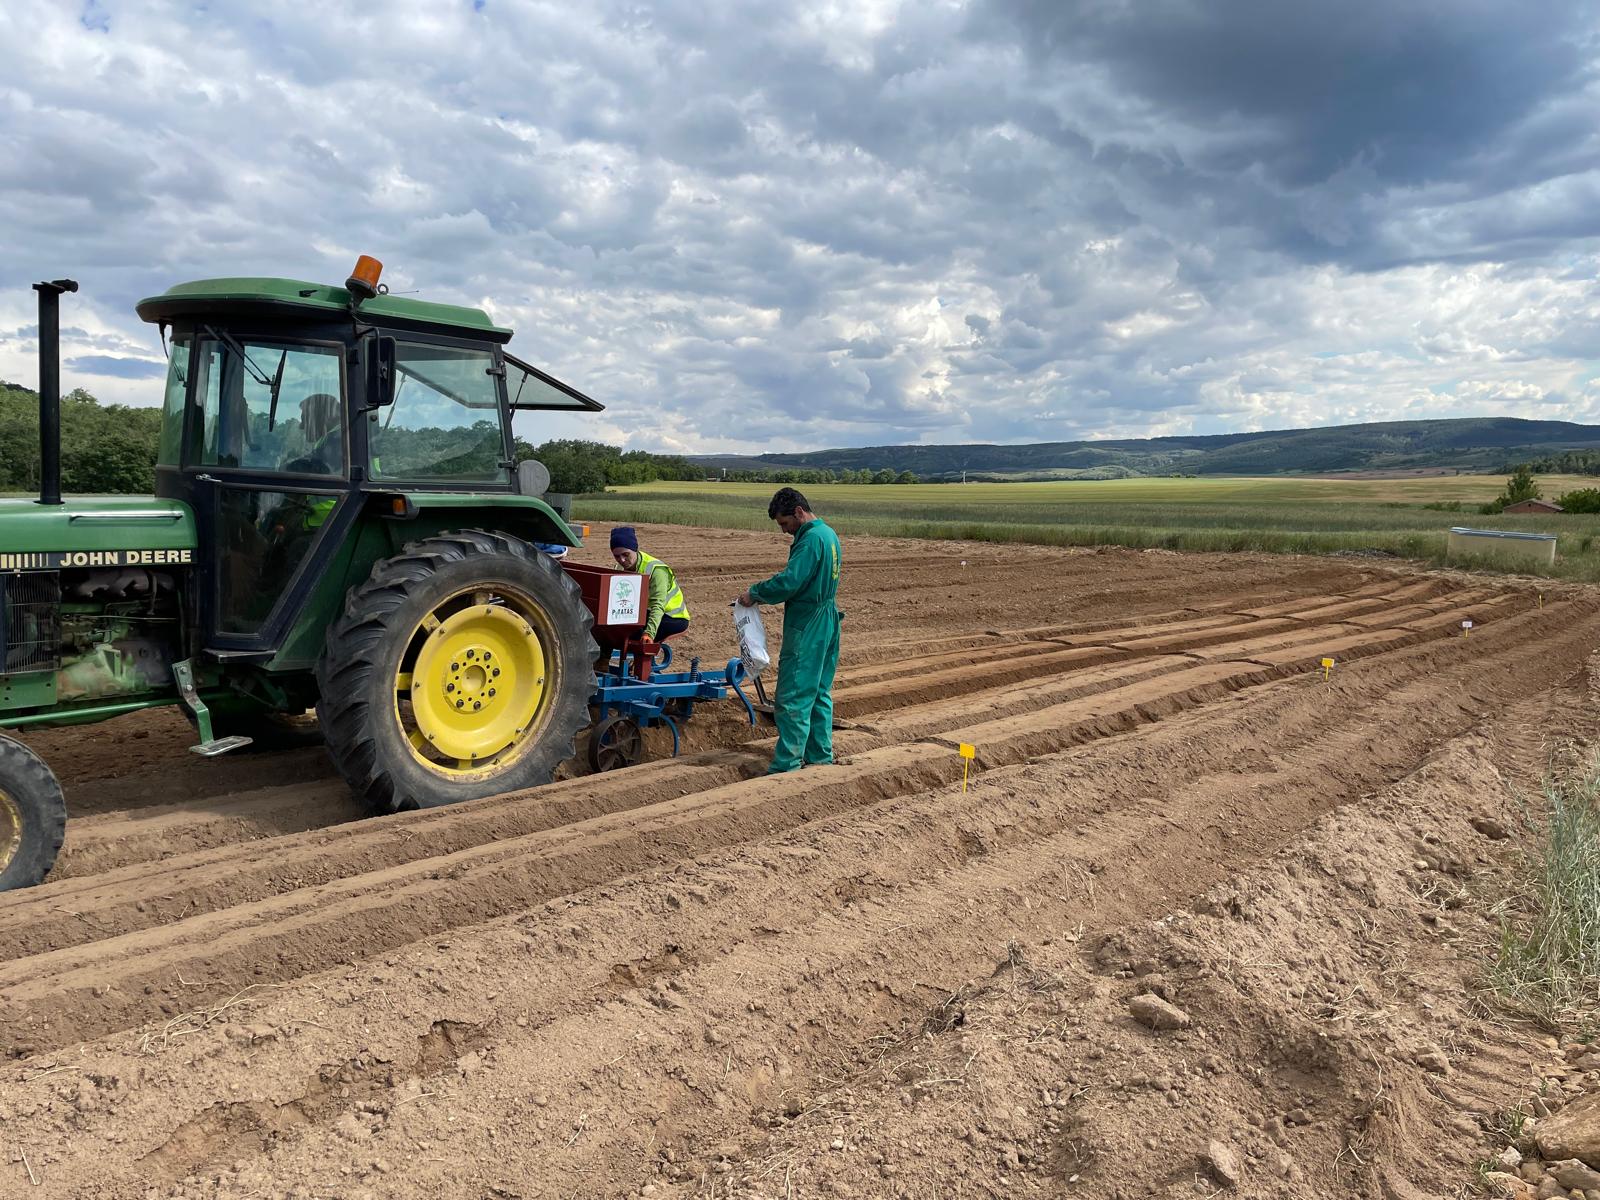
(50, 387)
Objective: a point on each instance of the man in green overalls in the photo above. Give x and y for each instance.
(807, 588)
(669, 611)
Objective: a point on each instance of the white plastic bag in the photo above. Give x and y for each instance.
(752, 638)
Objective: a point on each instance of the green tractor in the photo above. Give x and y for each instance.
(338, 524)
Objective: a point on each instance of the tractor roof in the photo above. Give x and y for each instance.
(284, 296)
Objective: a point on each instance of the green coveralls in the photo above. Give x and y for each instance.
(806, 588)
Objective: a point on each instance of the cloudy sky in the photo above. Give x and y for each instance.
(780, 224)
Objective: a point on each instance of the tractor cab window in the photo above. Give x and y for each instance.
(271, 407)
(445, 422)
(169, 449)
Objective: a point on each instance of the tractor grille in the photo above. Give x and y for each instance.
(30, 613)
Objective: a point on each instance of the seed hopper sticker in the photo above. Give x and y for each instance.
(624, 599)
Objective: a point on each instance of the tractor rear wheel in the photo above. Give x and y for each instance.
(33, 816)
(462, 668)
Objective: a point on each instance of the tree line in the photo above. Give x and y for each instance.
(1568, 462)
(818, 475)
(111, 448)
(578, 466)
(104, 447)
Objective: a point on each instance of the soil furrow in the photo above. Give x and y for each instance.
(124, 839)
(65, 915)
(288, 934)
(1032, 841)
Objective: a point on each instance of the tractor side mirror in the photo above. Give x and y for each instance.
(380, 372)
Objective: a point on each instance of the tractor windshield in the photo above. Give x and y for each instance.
(446, 422)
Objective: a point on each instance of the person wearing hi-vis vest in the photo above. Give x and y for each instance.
(322, 454)
(294, 519)
(669, 612)
(808, 589)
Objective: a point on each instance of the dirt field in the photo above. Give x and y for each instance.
(686, 979)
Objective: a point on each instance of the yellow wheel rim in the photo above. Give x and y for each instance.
(10, 830)
(474, 686)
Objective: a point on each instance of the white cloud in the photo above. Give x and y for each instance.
(789, 225)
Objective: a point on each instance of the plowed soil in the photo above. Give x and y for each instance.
(900, 975)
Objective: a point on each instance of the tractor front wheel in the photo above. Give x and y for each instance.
(33, 816)
(462, 668)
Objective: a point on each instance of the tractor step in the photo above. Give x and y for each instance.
(220, 746)
(189, 697)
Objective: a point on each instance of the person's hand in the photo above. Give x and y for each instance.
(746, 599)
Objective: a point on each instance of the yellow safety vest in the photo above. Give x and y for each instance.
(318, 512)
(674, 605)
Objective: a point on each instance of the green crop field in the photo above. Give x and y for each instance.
(1276, 514)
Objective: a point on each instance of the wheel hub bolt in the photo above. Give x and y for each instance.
(461, 703)
(476, 704)
(496, 673)
(491, 691)
(455, 666)
(449, 687)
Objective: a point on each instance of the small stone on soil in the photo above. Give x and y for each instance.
(1153, 1011)
(1223, 1163)
(1490, 828)
(1432, 1059)
(1570, 1173)
(1573, 1133)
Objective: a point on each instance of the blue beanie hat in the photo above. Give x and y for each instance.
(625, 538)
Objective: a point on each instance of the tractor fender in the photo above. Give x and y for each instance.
(525, 517)
(389, 522)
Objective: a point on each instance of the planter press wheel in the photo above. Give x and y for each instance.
(615, 742)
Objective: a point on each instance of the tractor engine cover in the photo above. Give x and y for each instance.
(129, 583)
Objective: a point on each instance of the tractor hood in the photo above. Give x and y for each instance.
(108, 531)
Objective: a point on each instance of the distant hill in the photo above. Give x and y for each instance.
(1467, 443)
(730, 462)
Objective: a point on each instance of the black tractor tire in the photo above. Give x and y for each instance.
(373, 641)
(33, 816)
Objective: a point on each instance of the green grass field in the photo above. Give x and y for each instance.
(1274, 514)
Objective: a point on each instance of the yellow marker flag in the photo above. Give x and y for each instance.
(968, 753)
(1327, 666)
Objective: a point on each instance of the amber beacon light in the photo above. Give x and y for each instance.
(363, 281)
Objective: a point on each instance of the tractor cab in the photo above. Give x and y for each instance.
(296, 411)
